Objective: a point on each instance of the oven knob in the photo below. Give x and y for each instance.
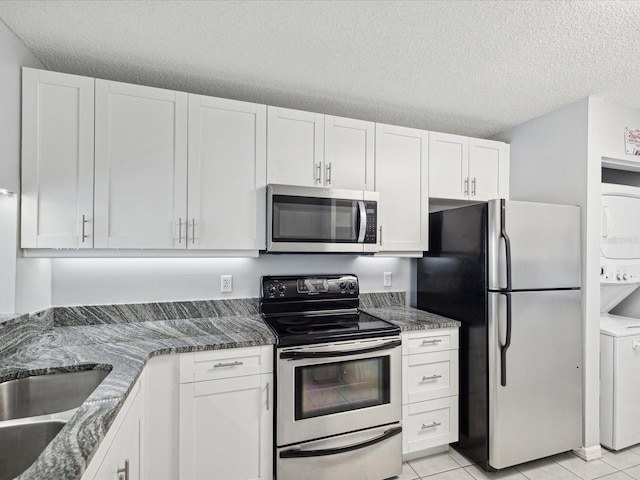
(281, 288)
(271, 290)
(342, 285)
(352, 285)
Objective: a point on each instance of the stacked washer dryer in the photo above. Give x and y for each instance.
(619, 335)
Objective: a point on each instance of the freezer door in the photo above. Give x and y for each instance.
(542, 242)
(535, 394)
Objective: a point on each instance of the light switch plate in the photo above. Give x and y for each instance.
(387, 279)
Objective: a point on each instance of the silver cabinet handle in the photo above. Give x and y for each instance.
(434, 424)
(231, 364)
(84, 228)
(380, 235)
(180, 230)
(123, 473)
(193, 231)
(473, 187)
(431, 342)
(318, 172)
(267, 396)
(329, 173)
(432, 377)
(466, 186)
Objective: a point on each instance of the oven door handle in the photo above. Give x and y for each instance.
(335, 451)
(342, 353)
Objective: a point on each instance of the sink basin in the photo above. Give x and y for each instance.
(20, 445)
(47, 394)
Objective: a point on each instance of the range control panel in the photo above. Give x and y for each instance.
(320, 286)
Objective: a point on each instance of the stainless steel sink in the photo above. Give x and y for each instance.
(34, 409)
(20, 445)
(47, 394)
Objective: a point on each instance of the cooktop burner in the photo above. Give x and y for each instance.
(319, 309)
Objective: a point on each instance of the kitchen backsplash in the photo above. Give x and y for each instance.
(142, 312)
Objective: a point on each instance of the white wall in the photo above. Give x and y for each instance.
(607, 124)
(92, 281)
(551, 162)
(31, 290)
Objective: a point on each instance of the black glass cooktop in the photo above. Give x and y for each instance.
(305, 329)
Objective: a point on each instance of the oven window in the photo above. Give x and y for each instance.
(341, 386)
(304, 219)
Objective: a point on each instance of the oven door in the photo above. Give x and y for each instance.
(330, 389)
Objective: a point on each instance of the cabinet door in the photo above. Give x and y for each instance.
(123, 445)
(226, 429)
(448, 166)
(295, 147)
(401, 179)
(57, 160)
(141, 167)
(488, 169)
(348, 153)
(227, 174)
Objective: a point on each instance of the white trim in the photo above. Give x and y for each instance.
(589, 453)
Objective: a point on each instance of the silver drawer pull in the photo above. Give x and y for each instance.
(431, 342)
(231, 364)
(432, 377)
(434, 424)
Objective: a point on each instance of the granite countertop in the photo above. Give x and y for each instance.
(124, 350)
(121, 338)
(409, 318)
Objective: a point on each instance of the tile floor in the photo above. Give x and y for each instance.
(621, 465)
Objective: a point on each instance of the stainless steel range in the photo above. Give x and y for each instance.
(338, 392)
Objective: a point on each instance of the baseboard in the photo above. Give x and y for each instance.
(589, 453)
(426, 452)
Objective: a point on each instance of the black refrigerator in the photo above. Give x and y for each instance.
(510, 273)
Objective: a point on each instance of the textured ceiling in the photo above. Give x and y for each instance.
(467, 67)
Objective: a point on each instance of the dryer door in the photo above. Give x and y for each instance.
(621, 224)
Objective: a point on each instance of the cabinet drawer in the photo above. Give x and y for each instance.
(429, 375)
(219, 364)
(429, 424)
(434, 340)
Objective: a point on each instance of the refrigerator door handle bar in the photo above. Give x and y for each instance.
(507, 343)
(507, 242)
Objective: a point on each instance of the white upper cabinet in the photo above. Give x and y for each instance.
(227, 174)
(295, 147)
(488, 169)
(349, 153)
(463, 168)
(313, 150)
(57, 160)
(140, 167)
(401, 179)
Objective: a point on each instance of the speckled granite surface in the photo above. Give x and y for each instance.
(408, 318)
(121, 338)
(124, 348)
(138, 312)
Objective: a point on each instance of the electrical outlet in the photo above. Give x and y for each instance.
(226, 283)
(387, 279)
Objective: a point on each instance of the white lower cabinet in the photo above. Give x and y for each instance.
(122, 452)
(226, 419)
(429, 391)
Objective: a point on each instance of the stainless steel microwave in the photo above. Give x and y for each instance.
(312, 219)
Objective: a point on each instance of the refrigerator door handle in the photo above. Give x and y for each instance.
(507, 242)
(507, 343)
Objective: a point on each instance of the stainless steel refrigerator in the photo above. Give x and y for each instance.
(510, 273)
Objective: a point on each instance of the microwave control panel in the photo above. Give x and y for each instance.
(371, 232)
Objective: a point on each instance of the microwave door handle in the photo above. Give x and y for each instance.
(341, 353)
(295, 453)
(362, 227)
